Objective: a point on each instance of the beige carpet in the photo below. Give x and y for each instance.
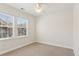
(38, 49)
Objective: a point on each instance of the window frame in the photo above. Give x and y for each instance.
(14, 28)
(7, 26)
(26, 29)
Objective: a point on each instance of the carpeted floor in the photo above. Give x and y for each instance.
(38, 49)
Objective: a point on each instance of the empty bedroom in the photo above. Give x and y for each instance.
(39, 29)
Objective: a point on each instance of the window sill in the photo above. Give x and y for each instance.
(9, 38)
(6, 38)
(22, 36)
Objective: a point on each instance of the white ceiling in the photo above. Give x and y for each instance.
(48, 7)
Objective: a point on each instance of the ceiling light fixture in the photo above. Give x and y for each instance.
(38, 8)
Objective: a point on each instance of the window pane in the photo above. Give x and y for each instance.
(21, 26)
(6, 19)
(6, 23)
(21, 31)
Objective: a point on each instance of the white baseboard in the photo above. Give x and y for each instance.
(54, 44)
(16, 47)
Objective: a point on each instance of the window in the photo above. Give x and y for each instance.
(12, 26)
(6, 25)
(21, 26)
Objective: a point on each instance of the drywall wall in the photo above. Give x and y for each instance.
(76, 29)
(56, 28)
(10, 44)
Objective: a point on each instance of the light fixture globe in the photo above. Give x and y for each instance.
(38, 8)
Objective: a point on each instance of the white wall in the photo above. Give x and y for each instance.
(56, 28)
(76, 29)
(10, 44)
